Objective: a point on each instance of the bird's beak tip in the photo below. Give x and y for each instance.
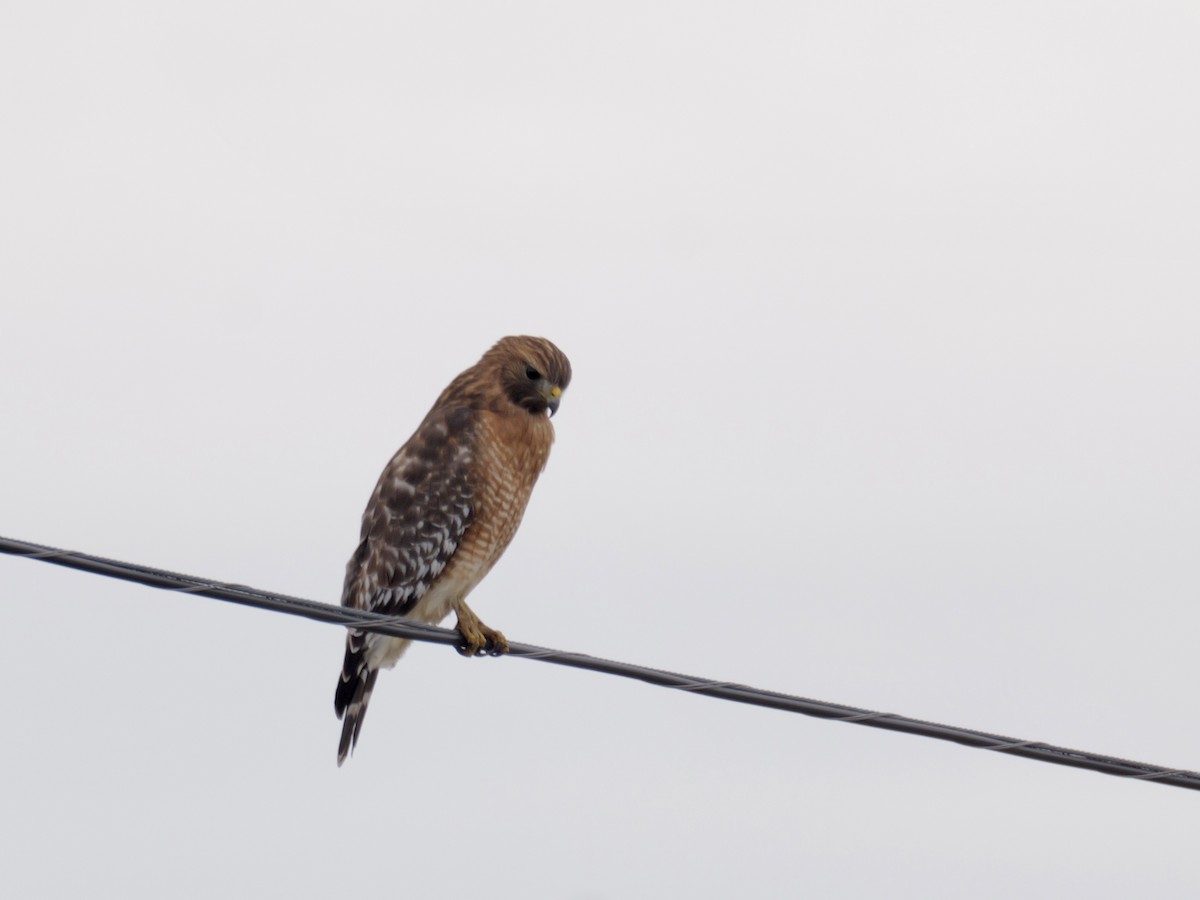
(553, 394)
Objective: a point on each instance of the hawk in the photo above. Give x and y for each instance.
(445, 509)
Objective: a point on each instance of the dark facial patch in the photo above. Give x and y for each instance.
(525, 363)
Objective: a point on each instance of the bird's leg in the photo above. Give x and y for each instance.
(478, 639)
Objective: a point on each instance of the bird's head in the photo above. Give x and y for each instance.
(533, 373)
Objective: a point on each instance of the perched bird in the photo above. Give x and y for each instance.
(446, 507)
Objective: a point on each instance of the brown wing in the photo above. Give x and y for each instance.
(415, 520)
(412, 526)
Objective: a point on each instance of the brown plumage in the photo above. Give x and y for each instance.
(446, 507)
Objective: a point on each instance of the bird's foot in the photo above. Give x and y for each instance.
(478, 639)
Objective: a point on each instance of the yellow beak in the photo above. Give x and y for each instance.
(552, 393)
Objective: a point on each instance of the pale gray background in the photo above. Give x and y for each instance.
(885, 322)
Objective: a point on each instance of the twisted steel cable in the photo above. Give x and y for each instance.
(722, 690)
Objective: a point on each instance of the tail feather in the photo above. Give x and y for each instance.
(366, 654)
(353, 692)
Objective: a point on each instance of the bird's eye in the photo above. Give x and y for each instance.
(532, 374)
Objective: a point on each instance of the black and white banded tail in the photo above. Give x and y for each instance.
(353, 692)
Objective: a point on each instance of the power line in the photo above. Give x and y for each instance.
(722, 690)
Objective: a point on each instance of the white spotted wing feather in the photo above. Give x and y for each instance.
(412, 527)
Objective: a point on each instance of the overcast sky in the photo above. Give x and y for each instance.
(884, 320)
